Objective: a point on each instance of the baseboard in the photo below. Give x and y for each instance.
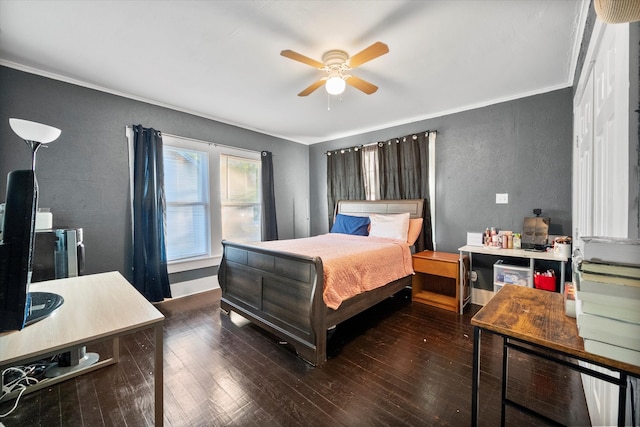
(182, 289)
(480, 296)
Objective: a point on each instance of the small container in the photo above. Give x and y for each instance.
(548, 283)
(517, 242)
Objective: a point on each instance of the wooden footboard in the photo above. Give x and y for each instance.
(282, 293)
(279, 291)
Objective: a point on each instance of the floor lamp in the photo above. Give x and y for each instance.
(44, 303)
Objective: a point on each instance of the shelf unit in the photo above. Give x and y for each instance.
(532, 256)
(505, 274)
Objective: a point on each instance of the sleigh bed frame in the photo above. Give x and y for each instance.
(282, 292)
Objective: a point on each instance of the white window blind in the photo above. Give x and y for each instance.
(186, 182)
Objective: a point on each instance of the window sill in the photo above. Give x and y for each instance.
(193, 264)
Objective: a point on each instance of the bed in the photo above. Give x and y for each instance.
(282, 292)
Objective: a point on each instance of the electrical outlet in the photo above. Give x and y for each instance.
(474, 276)
(502, 198)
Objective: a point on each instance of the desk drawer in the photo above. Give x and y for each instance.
(437, 268)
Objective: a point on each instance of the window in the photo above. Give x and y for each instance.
(370, 171)
(212, 193)
(186, 183)
(240, 198)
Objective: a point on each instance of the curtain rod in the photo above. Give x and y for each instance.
(357, 147)
(215, 144)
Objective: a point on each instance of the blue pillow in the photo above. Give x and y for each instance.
(356, 225)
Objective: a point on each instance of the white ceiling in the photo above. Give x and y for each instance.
(221, 59)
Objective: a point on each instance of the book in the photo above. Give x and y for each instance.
(610, 331)
(606, 288)
(611, 250)
(608, 278)
(612, 351)
(611, 269)
(631, 315)
(604, 349)
(612, 300)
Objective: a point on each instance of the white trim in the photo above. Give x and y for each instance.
(577, 41)
(128, 131)
(193, 263)
(200, 141)
(309, 141)
(59, 77)
(432, 185)
(438, 114)
(589, 60)
(196, 286)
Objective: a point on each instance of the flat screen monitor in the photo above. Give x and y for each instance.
(16, 251)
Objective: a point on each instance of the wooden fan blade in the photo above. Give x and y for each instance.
(372, 52)
(313, 87)
(362, 85)
(301, 58)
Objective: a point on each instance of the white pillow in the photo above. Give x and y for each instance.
(391, 226)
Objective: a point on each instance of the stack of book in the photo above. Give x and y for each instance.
(608, 298)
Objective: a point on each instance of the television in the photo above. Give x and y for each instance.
(18, 306)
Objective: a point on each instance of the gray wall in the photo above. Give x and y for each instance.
(83, 176)
(520, 147)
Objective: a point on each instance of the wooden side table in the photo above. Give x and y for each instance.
(438, 281)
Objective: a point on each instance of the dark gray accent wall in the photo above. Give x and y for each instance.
(521, 147)
(83, 176)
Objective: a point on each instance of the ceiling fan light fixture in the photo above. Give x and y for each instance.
(335, 85)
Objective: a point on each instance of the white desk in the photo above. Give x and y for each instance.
(514, 253)
(96, 308)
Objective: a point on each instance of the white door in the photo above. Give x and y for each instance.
(600, 166)
(583, 163)
(611, 133)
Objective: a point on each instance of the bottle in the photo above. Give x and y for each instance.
(517, 242)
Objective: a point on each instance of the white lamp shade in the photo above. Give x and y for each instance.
(32, 131)
(335, 85)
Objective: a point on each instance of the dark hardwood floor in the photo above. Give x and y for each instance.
(400, 363)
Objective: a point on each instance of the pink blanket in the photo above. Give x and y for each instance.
(352, 264)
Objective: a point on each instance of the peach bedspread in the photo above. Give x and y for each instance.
(351, 264)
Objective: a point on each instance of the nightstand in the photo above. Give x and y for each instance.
(438, 280)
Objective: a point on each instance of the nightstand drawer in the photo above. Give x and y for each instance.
(437, 268)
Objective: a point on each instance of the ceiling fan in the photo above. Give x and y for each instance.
(336, 63)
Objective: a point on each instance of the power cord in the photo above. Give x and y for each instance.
(18, 379)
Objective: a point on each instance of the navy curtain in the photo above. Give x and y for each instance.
(404, 174)
(269, 223)
(149, 253)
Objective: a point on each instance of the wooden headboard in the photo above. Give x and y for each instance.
(368, 207)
